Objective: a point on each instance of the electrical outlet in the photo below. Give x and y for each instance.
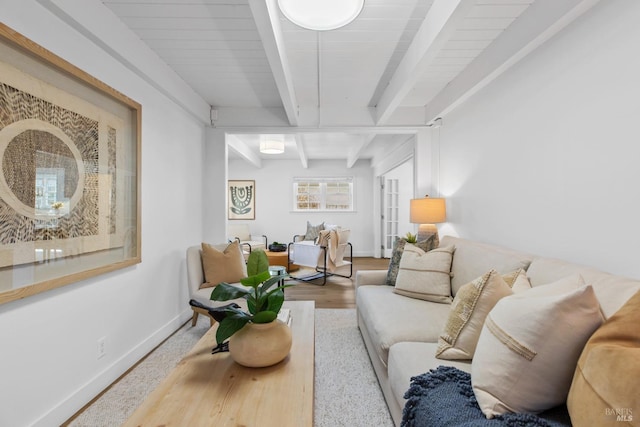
(102, 347)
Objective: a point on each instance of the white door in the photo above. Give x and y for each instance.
(390, 215)
(397, 190)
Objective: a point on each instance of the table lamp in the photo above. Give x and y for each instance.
(427, 212)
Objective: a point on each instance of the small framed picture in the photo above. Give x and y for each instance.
(242, 199)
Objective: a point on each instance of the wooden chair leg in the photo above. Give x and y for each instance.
(194, 318)
(197, 311)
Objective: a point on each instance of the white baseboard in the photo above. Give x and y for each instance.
(73, 403)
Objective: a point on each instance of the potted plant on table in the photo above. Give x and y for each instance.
(256, 337)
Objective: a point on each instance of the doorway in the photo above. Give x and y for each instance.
(397, 189)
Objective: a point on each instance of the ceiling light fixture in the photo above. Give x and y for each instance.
(271, 144)
(321, 15)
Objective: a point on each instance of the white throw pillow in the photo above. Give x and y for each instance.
(470, 307)
(529, 347)
(425, 275)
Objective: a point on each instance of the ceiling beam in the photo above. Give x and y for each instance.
(355, 153)
(300, 147)
(243, 150)
(265, 15)
(535, 26)
(441, 21)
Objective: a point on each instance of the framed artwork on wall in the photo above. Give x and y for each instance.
(242, 199)
(69, 172)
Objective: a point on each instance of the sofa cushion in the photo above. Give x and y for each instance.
(470, 307)
(605, 384)
(408, 359)
(392, 318)
(398, 248)
(612, 291)
(425, 275)
(528, 349)
(473, 259)
(222, 266)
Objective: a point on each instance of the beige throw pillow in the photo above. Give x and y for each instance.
(222, 266)
(396, 256)
(517, 280)
(425, 275)
(605, 388)
(529, 347)
(470, 307)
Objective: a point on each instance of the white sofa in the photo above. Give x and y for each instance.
(401, 333)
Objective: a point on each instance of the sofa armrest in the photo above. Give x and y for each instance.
(370, 277)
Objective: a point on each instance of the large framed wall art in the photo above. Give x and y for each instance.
(69, 172)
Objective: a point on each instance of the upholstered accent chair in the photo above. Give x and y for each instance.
(242, 233)
(198, 291)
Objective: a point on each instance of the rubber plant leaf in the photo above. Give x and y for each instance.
(255, 280)
(226, 292)
(265, 317)
(229, 326)
(275, 300)
(257, 263)
(272, 281)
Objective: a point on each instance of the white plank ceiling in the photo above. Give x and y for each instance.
(400, 65)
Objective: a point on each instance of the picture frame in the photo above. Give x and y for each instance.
(70, 155)
(241, 199)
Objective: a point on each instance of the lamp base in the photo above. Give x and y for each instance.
(425, 231)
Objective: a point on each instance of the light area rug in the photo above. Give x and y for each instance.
(346, 389)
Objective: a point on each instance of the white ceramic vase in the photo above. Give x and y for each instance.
(257, 345)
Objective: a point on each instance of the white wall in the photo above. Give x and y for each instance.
(274, 199)
(545, 159)
(49, 366)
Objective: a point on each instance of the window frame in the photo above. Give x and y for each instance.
(323, 195)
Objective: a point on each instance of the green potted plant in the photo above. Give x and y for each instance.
(256, 337)
(411, 238)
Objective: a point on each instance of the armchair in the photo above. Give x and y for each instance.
(242, 234)
(198, 294)
(325, 257)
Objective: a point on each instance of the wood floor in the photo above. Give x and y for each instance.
(338, 292)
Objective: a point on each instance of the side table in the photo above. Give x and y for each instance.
(280, 258)
(276, 270)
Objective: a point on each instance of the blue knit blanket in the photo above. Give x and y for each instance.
(444, 397)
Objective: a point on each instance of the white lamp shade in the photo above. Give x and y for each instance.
(271, 144)
(321, 15)
(427, 211)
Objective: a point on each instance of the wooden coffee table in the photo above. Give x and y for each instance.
(212, 390)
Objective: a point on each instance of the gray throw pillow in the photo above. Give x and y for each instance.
(396, 255)
(313, 231)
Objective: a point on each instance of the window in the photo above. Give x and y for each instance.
(323, 194)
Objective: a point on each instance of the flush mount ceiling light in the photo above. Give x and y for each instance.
(321, 15)
(271, 144)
